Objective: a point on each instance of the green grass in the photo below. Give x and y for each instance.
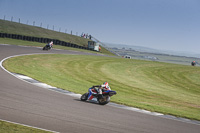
(155, 86)
(6, 127)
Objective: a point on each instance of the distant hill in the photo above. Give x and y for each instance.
(151, 50)
(28, 30)
(143, 53)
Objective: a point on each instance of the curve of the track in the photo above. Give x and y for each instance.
(27, 104)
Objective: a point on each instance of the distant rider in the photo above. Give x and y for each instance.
(97, 90)
(50, 45)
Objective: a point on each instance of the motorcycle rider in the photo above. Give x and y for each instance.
(98, 91)
(50, 45)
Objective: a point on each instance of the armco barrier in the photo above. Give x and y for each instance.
(41, 40)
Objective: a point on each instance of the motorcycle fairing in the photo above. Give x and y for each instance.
(90, 96)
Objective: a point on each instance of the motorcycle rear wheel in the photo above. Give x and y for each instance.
(45, 48)
(84, 97)
(104, 100)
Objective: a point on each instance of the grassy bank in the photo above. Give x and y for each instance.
(6, 127)
(28, 30)
(161, 87)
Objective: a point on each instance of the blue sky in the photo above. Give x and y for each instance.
(160, 24)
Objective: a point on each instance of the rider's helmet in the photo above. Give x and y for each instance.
(106, 85)
(193, 63)
(51, 42)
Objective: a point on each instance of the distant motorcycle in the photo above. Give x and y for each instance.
(47, 47)
(94, 96)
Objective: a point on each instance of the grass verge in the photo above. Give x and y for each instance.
(155, 86)
(7, 127)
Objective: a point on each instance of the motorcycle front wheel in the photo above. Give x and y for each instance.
(45, 48)
(84, 97)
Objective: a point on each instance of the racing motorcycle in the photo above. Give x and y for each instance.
(103, 99)
(47, 47)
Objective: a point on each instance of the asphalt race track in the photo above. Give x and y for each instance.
(35, 106)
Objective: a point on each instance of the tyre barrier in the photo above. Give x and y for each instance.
(42, 40)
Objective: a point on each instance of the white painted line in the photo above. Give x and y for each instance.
(74, 95)
(23, 77)
(156, 114)
(5, 44)
(29, 126)
(23, 46)
(136, 110)
(43, 85)
(17, 56)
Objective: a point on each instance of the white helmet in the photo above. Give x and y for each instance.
(106, 85)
